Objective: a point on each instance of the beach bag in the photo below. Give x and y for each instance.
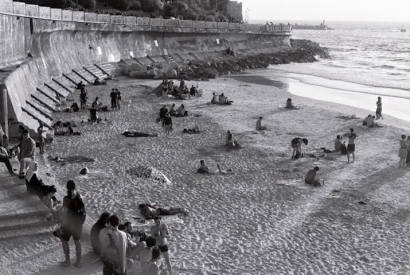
(343, 149)
(111, 258)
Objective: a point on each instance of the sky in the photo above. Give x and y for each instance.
(329, 10)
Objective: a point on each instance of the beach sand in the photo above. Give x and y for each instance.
(263, 218)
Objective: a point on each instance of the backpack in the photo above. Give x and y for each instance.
(111, 258)
(77, 209)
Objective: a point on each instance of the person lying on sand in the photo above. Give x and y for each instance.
(311, 177)
(259, 126)
(289, 104)
(138, 134)
(150, 211)
(204, 169)
(194, 130)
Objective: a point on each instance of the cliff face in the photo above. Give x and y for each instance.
(46, 49)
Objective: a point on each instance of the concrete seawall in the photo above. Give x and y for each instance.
(34, 51)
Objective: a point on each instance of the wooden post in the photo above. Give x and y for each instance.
(5, 113)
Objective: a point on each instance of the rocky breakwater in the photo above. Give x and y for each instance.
(301, 51)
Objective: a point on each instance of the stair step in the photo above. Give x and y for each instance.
(43, 110)
(97, 72)
(74, 79)
(44, 100)
(90, 72)
(37, 115)
(65, 89)
(12, 218)
(28, 222)
(29, 122)
(30, 231)
(107, 68)
(65, 82)
(85, 75)
(57, 89)
(159, 59)
(47, 92)
(145, 61)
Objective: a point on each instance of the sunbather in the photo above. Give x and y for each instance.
(150, 211)
(138, 134)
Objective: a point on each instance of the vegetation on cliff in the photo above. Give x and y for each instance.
(208, 10)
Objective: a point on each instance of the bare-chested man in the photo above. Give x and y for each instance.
(160, 232)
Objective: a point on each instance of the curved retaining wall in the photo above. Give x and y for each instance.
(51, 48)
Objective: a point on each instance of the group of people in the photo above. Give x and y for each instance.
(181, 92)
(120, 247)
(115, 96)
(220, 99)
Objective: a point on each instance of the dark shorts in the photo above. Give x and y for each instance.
(163, 248)
(72, 231)
(164, 212)
(350, 147)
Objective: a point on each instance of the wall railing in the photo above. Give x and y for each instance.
(34, 11)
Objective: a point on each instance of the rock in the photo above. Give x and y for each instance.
(84, 171)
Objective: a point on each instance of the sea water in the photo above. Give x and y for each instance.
(369, 59)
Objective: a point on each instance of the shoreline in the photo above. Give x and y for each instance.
(262, 218)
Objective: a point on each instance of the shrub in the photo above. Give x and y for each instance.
(134, 5)
(119, 4)
(151, 5)
(88, 4)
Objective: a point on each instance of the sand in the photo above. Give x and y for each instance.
(262, 219)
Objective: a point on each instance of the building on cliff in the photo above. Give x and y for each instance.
(235, 11)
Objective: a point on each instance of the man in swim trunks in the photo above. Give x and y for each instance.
(351, 145)
(160, 232)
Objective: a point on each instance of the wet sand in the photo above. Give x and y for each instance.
(262, 219)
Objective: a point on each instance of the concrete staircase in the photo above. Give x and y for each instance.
(26, 240)
(46, 98)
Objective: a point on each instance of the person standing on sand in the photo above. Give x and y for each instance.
(40, 131)
(379, 108)
(73, 218)
(118, 99)
(408, 151)
(162, 112)
(351, 147)
(113, 96)
(160, 232)
(403, 151)
(167, 124)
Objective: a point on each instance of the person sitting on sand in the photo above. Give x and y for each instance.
(296, 144)
(311, 177)
(145, 253)
(155, 265)
(95, 232)
(47, 196)
(259, 126)
(33, 180)
(223, 99)
(374, 124)
(289, 104)
(181, 111)
(173, 111)
(230, 141)
(338, 143)
(203, 169)
(215, 99)
(96, 105)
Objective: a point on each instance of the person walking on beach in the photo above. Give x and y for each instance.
(403, 151)
(113, 96)
(351, 145)
(379, 108)
(167, 124)
(160, 232)
(73, 218)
